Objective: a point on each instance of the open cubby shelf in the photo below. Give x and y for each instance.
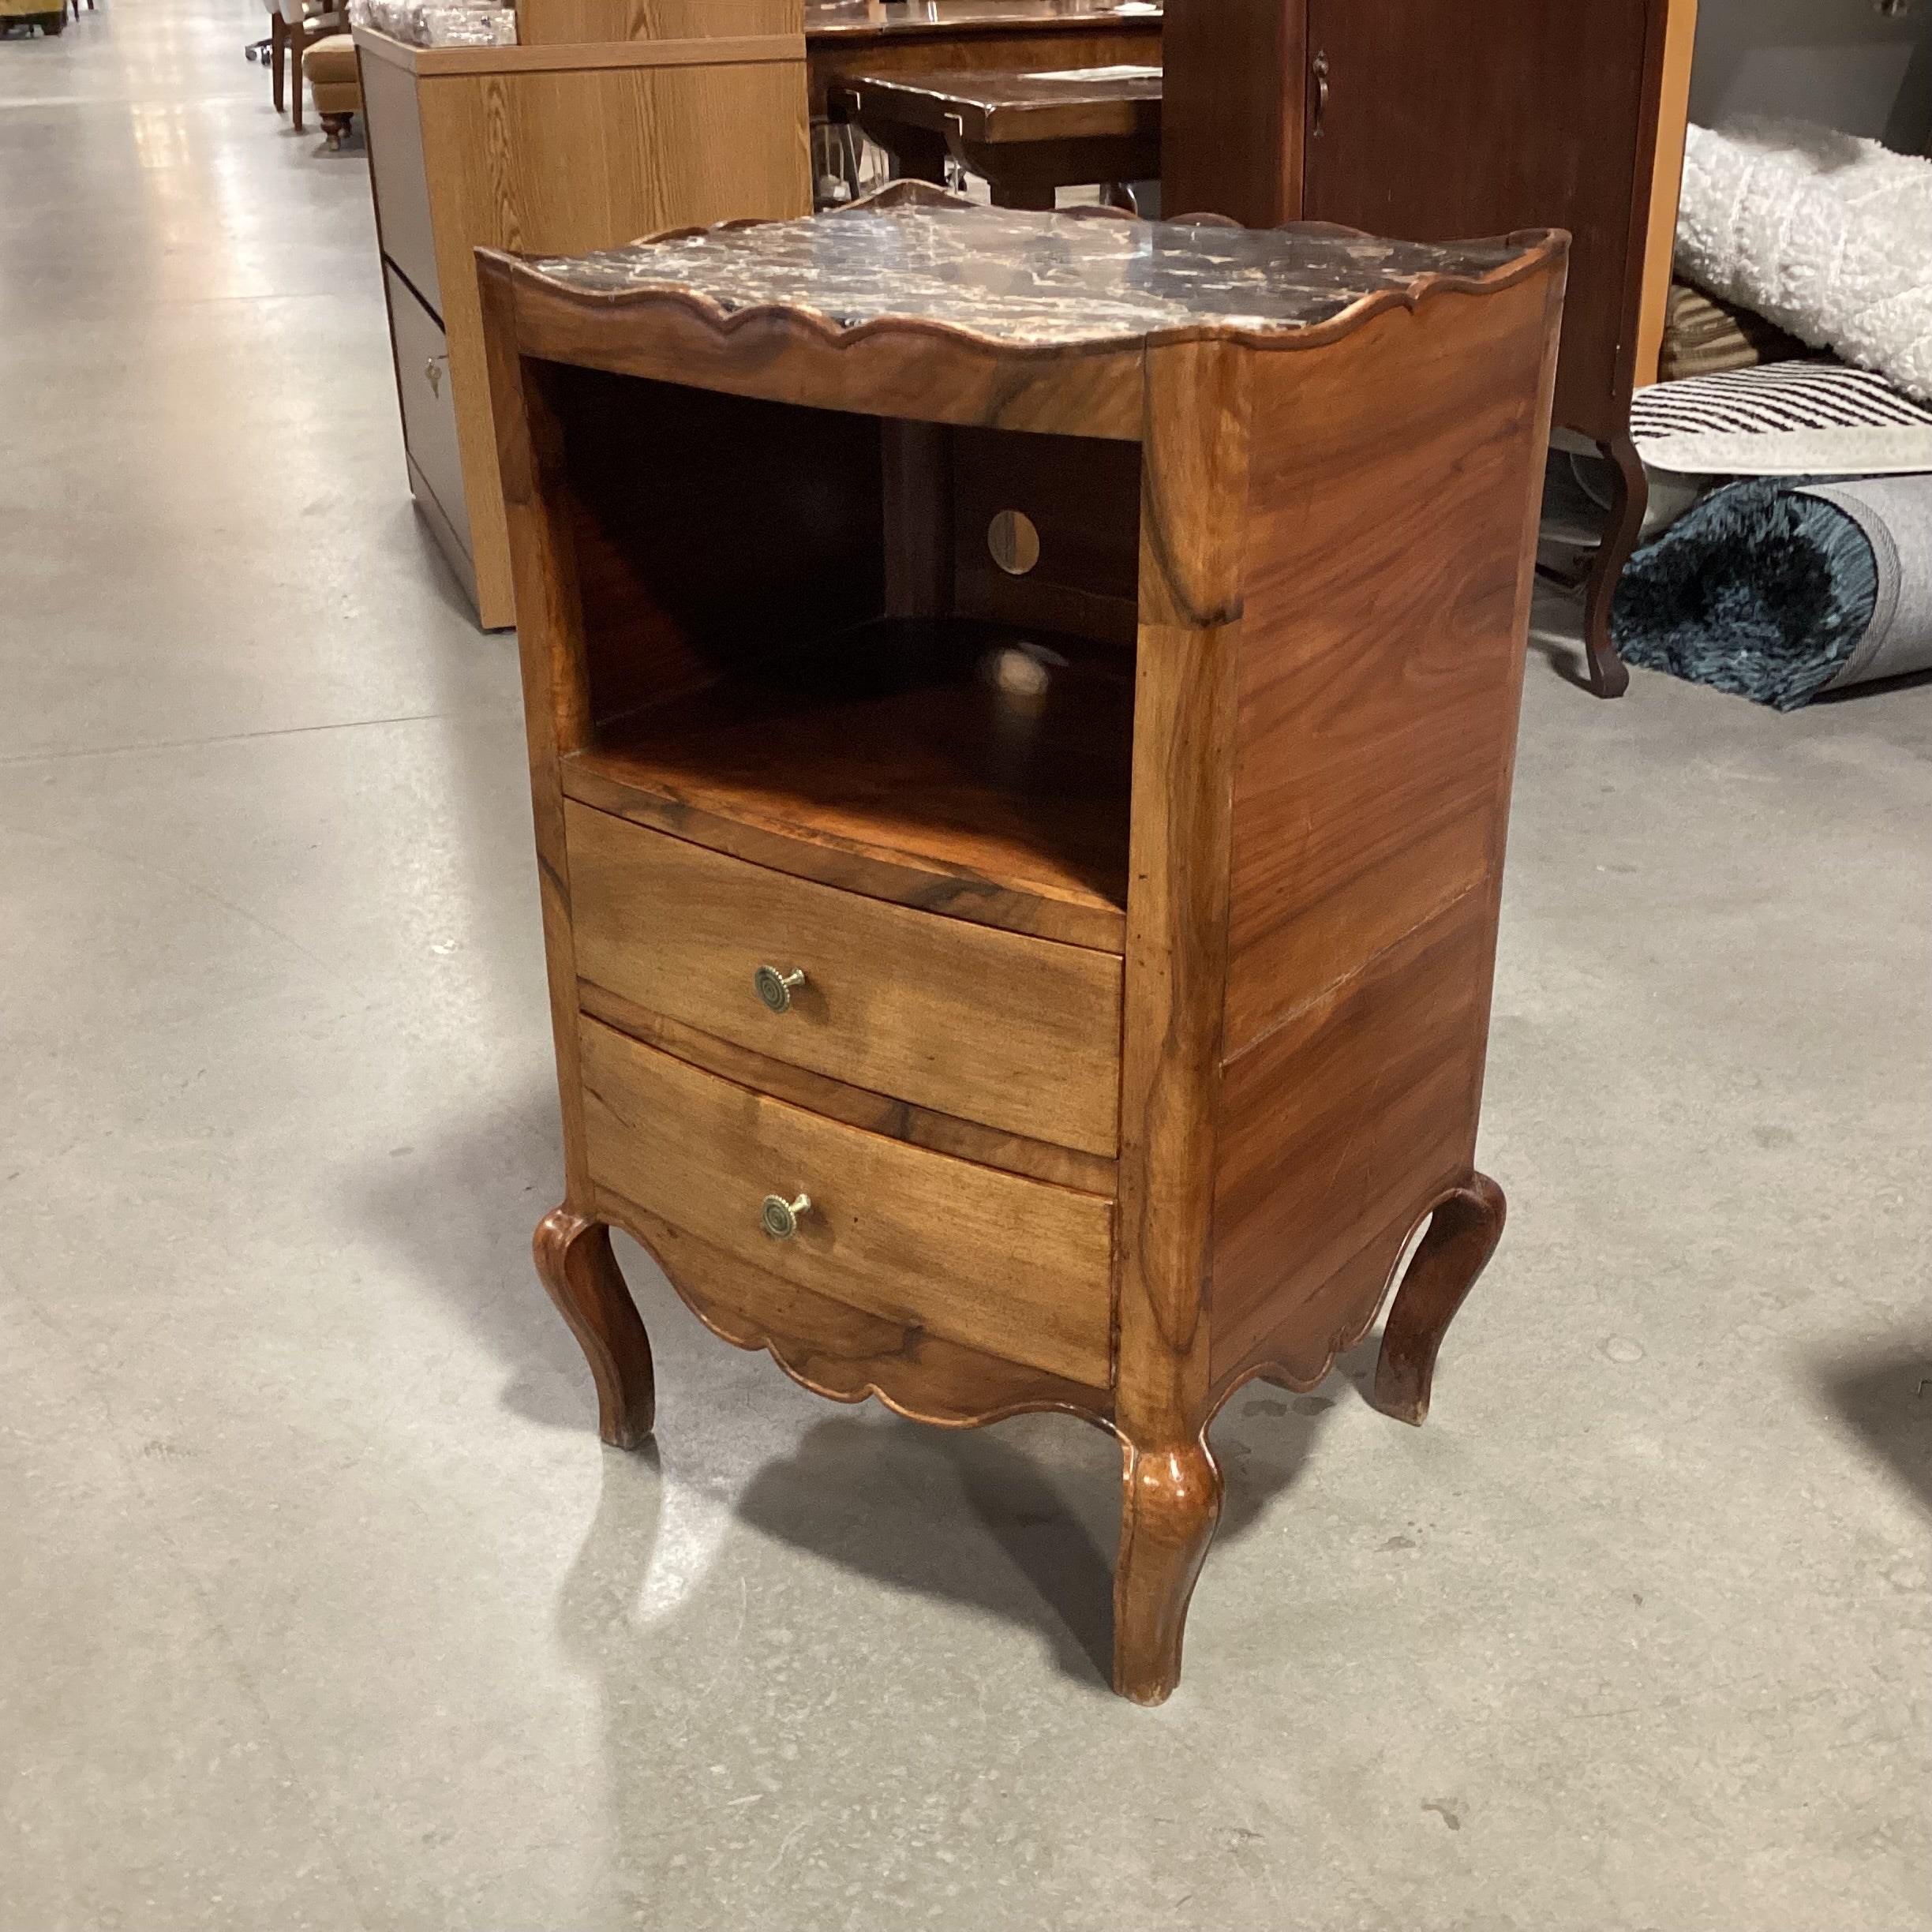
(894, 656)
(975, 767)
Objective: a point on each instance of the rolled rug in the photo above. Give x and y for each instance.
(1775, 590)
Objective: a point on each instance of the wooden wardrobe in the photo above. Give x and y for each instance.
(1438, 119)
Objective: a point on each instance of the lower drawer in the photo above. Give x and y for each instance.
(429, 402)
(1020, 1268)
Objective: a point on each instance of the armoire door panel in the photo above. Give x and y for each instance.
(1442, 121)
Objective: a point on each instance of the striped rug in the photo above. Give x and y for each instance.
(1782, 419)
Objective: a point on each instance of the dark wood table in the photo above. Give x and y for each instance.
(895, 39)
(1028, 133)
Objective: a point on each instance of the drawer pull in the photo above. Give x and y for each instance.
(432, 374)
(774, 988)
(780, 1217)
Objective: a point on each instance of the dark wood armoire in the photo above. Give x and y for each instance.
(1436, 119)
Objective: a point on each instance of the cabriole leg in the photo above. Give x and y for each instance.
(577, 1267)
(1609, 676)
(1170, 1503)
(1461, 1237)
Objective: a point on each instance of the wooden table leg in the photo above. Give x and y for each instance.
(298, 39)
(1609, 676)
(278, 53)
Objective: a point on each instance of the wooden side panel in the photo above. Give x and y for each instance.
(1395, 479)
(1082, 496)
(1014, 1266)
(1346, 1121)
(1018, 1033)
(1444, 122)
(1382, 648)
(570, 160)
(1193, 486)
(1231, 109)
(557, 701)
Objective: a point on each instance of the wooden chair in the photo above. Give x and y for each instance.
(293, 26)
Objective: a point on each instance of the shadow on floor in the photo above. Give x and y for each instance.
(1886, 1398)
(1019, 1520)
(1043, 1491)
(460, 1212)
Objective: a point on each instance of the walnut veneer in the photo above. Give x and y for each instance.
(1128, 904)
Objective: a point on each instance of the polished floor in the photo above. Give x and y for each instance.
(320, 1605)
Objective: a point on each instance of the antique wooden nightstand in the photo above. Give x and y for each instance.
(1021, 709)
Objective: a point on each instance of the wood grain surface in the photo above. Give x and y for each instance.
(846, 1353)
(1019, 1033)
(879, 1114)
(1014, 1266)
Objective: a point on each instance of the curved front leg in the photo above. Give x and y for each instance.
(574, 1262)
(1609, 676)
(1169, 1504)
(1462, 1235)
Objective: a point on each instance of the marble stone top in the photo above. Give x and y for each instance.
(1020, 277)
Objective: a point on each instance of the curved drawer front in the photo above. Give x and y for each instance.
(1020, 1268)
(1017, 1033)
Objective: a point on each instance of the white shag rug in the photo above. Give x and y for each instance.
(1827, 235)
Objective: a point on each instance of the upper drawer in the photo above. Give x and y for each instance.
(1016, 1033)
(395, 144)
(1020, 1268)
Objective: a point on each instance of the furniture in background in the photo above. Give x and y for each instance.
(556, 145)
(1027, 133)
(1434, 119)
(49, 15)
(1021, 772)
(294, 25)
(335, 84)
(892, 40)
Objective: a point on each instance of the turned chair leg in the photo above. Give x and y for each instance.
(1462, 1235)
(334, 126)
(1171, 1502)
(298, 43)
(1609, 676)
(575, 1264)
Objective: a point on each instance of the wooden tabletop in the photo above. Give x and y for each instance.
(868, 19)
(994, 106)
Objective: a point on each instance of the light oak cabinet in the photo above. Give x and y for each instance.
(682, 112)
(1021, 711)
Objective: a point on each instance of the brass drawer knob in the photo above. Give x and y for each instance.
(774, 988)
(780, 1217)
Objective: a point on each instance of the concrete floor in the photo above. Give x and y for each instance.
(322, 1607)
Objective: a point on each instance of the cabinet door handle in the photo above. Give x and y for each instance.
(1321, 95)
(775, 988)
(432, 374)
(780, 1217)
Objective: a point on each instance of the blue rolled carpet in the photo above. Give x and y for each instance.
(1775, 589)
